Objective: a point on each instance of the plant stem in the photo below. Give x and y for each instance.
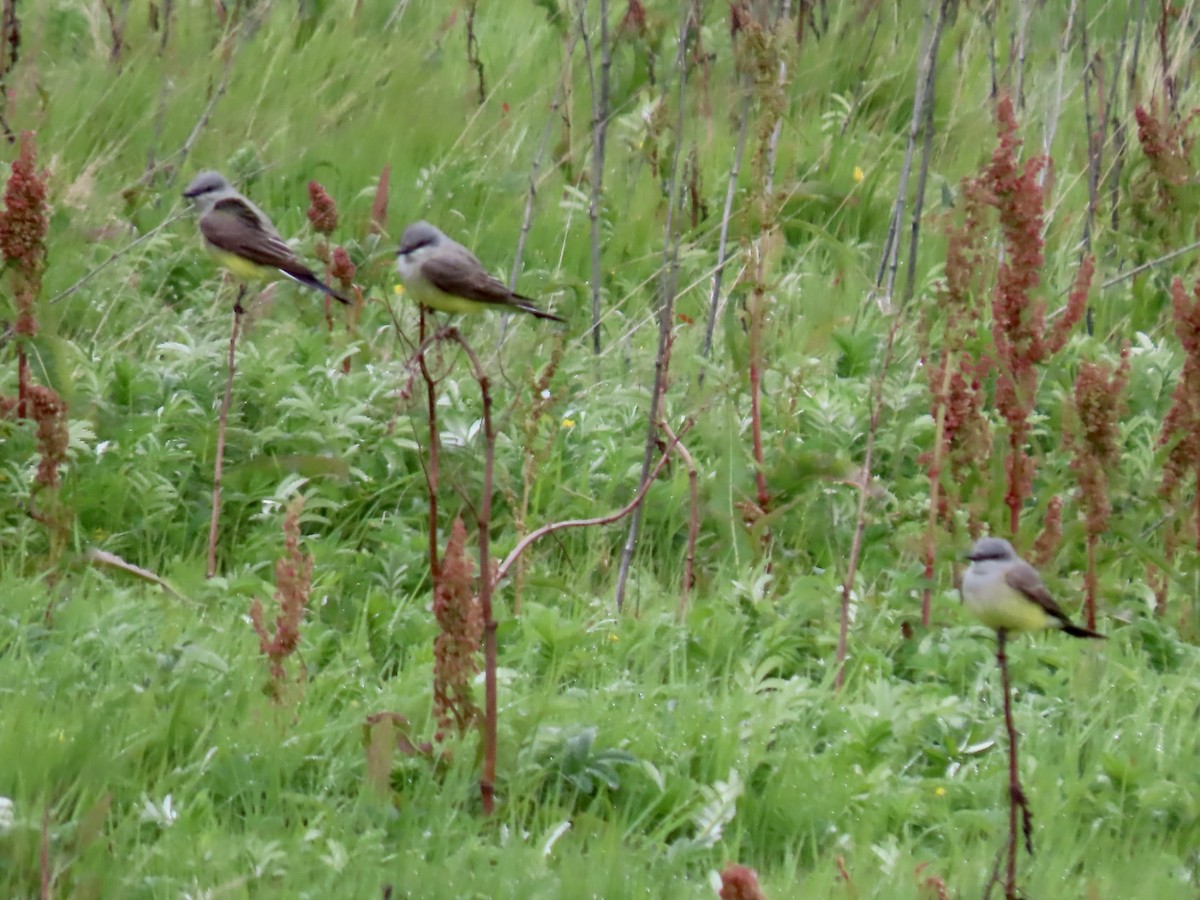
(431, 467)
(666, 303)
(219, 465)
(1019, 816)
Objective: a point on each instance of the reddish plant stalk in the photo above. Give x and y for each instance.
(431, 465)
(638, 497)
(1099, 403)
(1181, 432)
(757, 300)
(293, 588)
(1019, 816)
(1022, 340)
(487, 782)
(222, 423)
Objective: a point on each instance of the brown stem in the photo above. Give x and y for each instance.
(1089, 604)
(890, 259)
(723, 241)
(473, 50)
(666, 304)
(222, 422)
(910, 280)
(757, 302)
(22, 381)
(621, 513)
(599, 133)
(431, 468)
(487, 783)
(1019, 816)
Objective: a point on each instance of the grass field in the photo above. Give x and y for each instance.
(147, 750)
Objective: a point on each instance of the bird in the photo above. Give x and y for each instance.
(442, 274)
(242, 239)
(1007, 594)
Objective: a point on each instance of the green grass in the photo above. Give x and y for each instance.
(137, 721)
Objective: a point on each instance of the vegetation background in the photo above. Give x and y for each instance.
(149, 748)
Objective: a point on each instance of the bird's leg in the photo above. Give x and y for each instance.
(238, 309)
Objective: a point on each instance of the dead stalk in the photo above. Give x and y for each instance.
(222, 423)
(666, 302)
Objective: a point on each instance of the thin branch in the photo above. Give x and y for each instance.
(1064, 54)
(525, 542)
(91, 273)
(1137, 270)
(1095, 141)
(182, 153)
(431, 469)
(473, 50)
(723, 242)
(889, 260)
(666, 302)
(222, 423)
(1020, 818)
(777, 130)
(1023, 15)
(599, 134)
(926, 155)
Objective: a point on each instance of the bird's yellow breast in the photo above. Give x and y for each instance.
(242, 267)
(1000, 606)
(428, 295)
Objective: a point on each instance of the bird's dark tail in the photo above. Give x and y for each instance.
(316, 283)
(1076, 631)
(526, 305)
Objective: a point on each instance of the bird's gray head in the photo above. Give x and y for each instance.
(206, 184)
(417, 236)
(991, 548)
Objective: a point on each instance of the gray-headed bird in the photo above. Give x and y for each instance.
(241, 238)
(442, 274)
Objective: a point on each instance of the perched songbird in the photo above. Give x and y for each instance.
(242, 239)
(441, 273)
(1007, 594)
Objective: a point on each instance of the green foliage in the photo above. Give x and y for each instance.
(638, 753)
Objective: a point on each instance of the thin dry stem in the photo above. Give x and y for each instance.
(890, 259)
(666, 303)
(1020, 818)
(222, 423)
(926, 155)
(726, 214)
(635, 503)
(431, 466)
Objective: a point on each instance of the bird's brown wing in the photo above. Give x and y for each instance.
(457, 272)
(1024, 578)
(233, 226)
